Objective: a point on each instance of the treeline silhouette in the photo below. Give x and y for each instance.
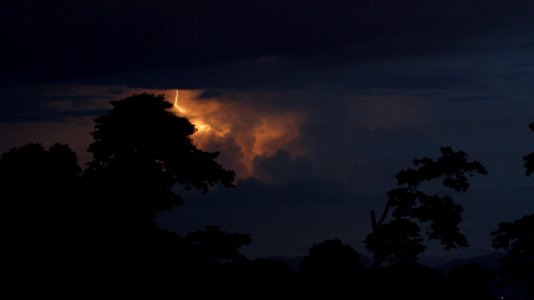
(93, 232)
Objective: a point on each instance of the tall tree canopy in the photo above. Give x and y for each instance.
(141, 151)
(400, 241)
(39, 189)
(41, 213)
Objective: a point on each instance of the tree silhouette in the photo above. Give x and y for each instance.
(331, 260)
(332, 269)
(400, 241)
(141, 151)
(406, 281)
(214, 244)
(517, 266)
(39, 187)
(40, 211)
(517, 237)
(470, 281)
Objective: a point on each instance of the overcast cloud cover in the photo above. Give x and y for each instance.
(362, 87)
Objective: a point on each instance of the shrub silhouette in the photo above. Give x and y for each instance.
(332, 270)
(331, 259)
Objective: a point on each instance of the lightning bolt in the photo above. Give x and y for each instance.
(181, 110)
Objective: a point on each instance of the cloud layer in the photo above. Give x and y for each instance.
(45, 41)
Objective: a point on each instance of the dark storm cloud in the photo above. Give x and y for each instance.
(56, 104)
(282, 167)
(493, 71)
(358, 156)
(48, 41)
(28, 106)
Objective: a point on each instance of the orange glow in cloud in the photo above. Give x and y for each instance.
(239, 131)
(201, 114)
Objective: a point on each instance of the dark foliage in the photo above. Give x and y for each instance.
(399, 241)
(141, 151)
(406, 281)
(332, 270)
(517, 238)
(41, 215)
(39, 190)
(331, 260)
(213, 244)
(517, 266)
(470, 281)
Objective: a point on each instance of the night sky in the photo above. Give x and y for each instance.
(315, 104)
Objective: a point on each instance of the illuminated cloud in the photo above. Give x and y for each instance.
(360, 139)
(240, 131)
